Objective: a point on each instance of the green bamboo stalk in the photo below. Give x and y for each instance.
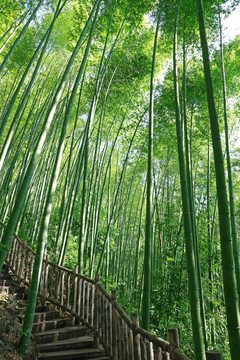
(191, 196)
(13, 32)
(117, 191)
(99, 82)
(43, 44)
(229, 166)
(42, 238)
(229, 278)
(22, 192)
(3, 64)
(190, 253)
(149, 210)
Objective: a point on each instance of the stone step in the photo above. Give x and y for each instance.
(4, 273)
(3, 297)
(78, 354)
(20, 289)
(4, 268)
(67, 344)
(38, 309)
(7, 282)
(4, 289)
(20, 296)
(59, 334)
(50, 325)
(46, 316)
(5, 276)
(100, 358)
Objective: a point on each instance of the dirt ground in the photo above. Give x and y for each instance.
(10, 329)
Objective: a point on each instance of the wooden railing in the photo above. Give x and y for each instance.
(88, 302)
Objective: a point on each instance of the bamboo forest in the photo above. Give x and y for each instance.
(120, 160)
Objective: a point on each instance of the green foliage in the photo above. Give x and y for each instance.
(116, 194)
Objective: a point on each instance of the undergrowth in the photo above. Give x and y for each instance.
(10, 329)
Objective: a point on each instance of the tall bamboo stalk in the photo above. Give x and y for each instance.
(149, 211)
(229, 278)
(235, 240)
(188, 232)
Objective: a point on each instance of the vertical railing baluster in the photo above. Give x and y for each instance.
(173, 339)
(143, 348)
(51, 281)
(166, 355)
(125, 339)
(31, 265)
(16, 261)
(26, 265)
(45, 281)
(68, 289)
(65, 294)
(114, 326)
(110, 328)
(103, 324)
(136, 337)
(107, 312)
(79, 296)
(58, 284)
(121, 337)
(62, 289)
(86, 301)
(73, 295)
(15, 257)
(91, 304)
(96, 312)
(11, 259)
(157, 352)
(83, 298)
(130, 343)
(22, 263)
(10, 249)
(148, 350)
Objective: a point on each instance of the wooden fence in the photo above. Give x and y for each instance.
(88, 302)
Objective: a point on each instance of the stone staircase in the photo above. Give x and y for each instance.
(53, 333)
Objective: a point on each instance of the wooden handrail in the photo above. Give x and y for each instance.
(86, 300)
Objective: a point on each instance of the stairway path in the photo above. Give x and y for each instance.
(54, 335)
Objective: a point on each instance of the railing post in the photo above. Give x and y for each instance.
(73, 295)
(45, 282)
(213, 355)
(174, 341)
(114, 326)
(136, 337)
(166, 355)
(157, 352)
(22, 263)
(18, 260)
(96, 312)
(12, 251)
(14, 260)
